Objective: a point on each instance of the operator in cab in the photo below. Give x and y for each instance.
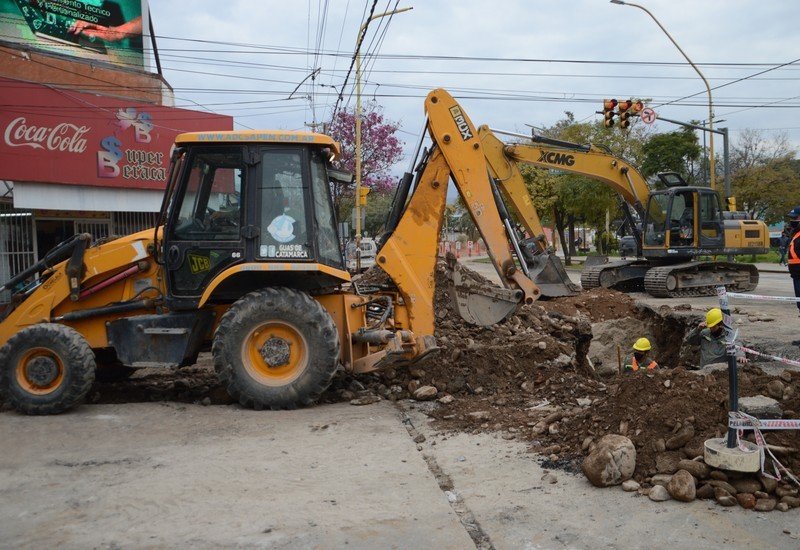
(639, 358)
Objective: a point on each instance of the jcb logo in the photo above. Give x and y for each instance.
(461, 122)
(562, 159)
(198, 264)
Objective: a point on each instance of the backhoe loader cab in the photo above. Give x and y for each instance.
(244, 198)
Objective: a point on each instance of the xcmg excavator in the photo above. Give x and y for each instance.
(677, 225)
(245, 261)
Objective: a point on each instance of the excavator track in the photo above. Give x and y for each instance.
(699, 279)
(616, 275)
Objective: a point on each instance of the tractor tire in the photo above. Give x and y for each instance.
(46, 369)
(276, 348)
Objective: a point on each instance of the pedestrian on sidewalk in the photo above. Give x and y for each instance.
(638, 358)
(783, 244)
(710, 335)
(794, 251)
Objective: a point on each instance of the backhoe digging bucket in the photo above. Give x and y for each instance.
(547, 271)
(479, 303)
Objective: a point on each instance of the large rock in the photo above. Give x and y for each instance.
(775, 389)
(704, 492)
(724, 497)
(632, 485)
(769, 484)
(658, 494)
(681, 438)
(695, 467)
(746, 485)
(746, 500)
(760, 406)
(667, 463)
(724, 485)
(611, 462)
(793, 502)
(681, 486)
(765, 504)
(425, 393)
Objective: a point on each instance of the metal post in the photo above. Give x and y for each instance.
(733, 375)
(726, 158)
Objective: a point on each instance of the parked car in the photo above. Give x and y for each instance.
(369, 249)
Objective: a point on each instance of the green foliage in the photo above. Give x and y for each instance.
(671, 152)
(766, 176)
(375, 212)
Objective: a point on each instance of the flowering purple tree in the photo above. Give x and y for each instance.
(380, 149)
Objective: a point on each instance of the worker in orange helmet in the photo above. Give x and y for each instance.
(638, 358)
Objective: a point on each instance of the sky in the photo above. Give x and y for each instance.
(510, 63)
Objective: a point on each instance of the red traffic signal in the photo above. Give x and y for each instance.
(608, 112)
(624, 114)
(637, 107)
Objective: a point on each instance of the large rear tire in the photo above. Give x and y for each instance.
(276, 348)
(46, 369)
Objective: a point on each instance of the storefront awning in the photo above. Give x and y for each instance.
(77, 197)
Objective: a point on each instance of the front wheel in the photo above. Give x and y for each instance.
(276, 348)
(46, 369)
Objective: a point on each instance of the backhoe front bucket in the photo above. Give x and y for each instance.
(547, 271)
(479, 303)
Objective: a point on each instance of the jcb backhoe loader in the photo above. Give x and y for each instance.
(678, 224)
(245, 260)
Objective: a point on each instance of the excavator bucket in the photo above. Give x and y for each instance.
(547, 271)
(477, 302)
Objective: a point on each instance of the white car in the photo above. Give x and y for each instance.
(369, 249)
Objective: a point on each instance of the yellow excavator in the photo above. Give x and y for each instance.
(671, 227)
(245, 261)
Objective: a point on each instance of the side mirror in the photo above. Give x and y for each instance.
(341, 176)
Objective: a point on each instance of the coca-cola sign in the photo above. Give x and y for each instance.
(50, 136)
(61, 137)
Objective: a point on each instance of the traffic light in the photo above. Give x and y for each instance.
(624, 113)
(362, 195)
(608, 112)
(637, 107)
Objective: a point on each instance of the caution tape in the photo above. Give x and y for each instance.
(763, 448)
(762, 297)
(769, 356)
(778, 424)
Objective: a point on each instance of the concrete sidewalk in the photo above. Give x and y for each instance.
(165, 475)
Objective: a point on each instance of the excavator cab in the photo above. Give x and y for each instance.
(682, 221)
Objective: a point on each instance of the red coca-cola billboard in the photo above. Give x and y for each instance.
(49, 135)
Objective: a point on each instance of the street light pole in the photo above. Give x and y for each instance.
(711, 161)
(361, 31)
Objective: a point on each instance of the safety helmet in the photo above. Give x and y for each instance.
(642, 344)
(713, 317)
(794, 212)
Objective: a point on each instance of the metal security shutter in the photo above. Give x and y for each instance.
(17, 243)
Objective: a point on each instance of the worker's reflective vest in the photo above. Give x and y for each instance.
(635, 364)
(793, 259)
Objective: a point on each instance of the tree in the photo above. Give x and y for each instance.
(671, 152)
(380, 150)
(765, 176)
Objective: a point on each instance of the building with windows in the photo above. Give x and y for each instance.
(86, 126)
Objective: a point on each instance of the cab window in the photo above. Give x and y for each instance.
(282, 192)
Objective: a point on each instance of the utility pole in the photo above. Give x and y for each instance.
(361, 31)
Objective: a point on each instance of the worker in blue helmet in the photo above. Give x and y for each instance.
(794, 250)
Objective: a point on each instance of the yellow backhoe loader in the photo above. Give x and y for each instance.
(678, 224)
(245, 261)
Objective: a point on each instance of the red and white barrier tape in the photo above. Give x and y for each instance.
(762, 297)
(762, 446)
(769, 356)
(777, 424)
